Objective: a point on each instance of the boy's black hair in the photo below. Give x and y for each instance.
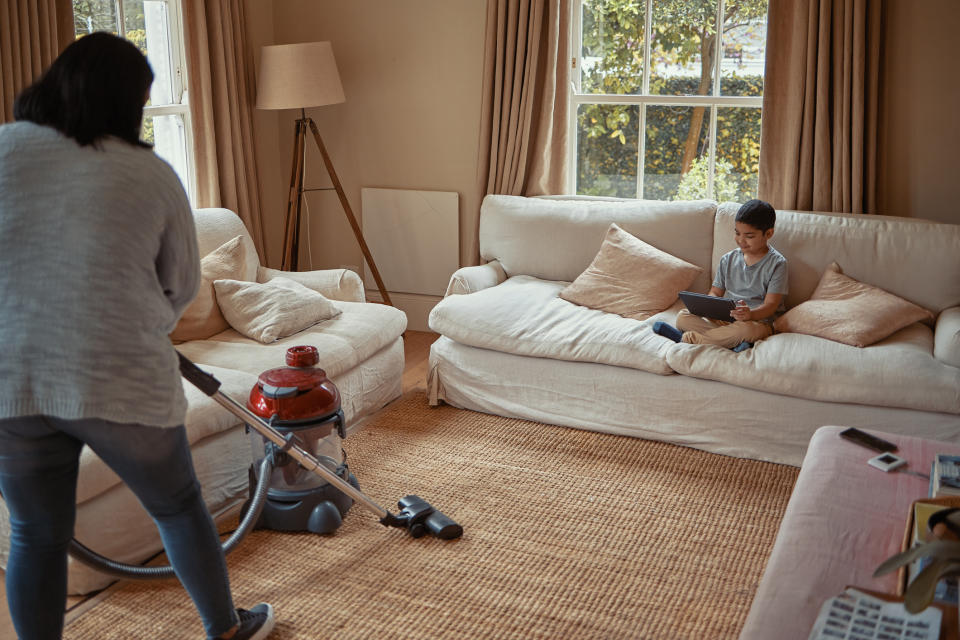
(757, 214)
(95, 88)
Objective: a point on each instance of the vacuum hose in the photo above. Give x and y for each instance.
(136, 572)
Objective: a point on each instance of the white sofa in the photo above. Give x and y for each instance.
(510, 346)
(361, 350)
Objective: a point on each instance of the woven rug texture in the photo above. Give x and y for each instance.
(567, 534)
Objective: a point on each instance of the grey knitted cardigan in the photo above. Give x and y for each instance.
(98, 259)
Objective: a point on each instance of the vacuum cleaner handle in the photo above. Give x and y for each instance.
(197, 376)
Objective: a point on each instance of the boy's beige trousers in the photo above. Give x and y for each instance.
(697, 330)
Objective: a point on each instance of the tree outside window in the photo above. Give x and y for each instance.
(667, 105)
(154, 26)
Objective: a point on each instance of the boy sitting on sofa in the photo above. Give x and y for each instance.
(754, 274)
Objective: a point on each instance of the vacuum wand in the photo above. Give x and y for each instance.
(416, 515)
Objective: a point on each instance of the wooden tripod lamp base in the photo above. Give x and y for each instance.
(297, 76)
(291, 229)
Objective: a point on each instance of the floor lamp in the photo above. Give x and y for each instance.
(298, 76)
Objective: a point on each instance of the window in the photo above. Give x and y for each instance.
(154, 26)
(663, 108)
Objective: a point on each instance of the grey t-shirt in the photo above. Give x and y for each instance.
(752, 283)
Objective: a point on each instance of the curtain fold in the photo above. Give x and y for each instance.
(32, 35)
(818, 140)
(524, 114)
(221, 91)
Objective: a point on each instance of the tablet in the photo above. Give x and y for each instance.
(708, 306)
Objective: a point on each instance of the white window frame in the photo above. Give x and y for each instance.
(181, 104)
(577, 97)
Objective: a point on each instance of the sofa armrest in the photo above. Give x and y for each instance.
(336, 284)
(946, 337)
(473, 279)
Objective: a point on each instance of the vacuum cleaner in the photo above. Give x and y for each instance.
(301, 481)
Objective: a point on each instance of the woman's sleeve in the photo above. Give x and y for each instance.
(178, 262)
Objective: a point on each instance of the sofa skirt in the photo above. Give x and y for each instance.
(704, 414)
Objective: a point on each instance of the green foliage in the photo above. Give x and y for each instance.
(693, 185)
(94, 15)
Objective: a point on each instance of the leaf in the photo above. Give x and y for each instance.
(938, 549)
(920, 592)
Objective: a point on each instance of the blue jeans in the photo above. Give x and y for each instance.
(39, 459)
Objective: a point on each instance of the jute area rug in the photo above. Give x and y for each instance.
(567, 534)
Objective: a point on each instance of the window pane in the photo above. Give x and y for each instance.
(738, 154)
(675, 153)
(156, 30)
(607, 147)
(133, 21)
(611, 58)
(744, 47)
(683, 47)
(168, 135)
(94, 15)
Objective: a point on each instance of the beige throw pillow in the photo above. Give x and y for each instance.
(272, 310)
(202, 318)
(630, 278)
(848, 311)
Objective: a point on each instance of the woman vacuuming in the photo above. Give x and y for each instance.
(98, 259)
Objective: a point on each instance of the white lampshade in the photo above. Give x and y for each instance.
(297, 76)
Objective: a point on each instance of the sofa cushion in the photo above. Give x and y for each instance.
(946, 345)
(345, 341)
(525, 316)
(897, 372)
(850, 312)
(271, 310)
(630, 278)
(556, 239)
(914, 259)
(215, 226)
(203, 318)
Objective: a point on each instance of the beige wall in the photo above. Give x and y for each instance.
(412, 73)
(919, 170)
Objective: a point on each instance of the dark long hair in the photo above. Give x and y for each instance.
(95, 88)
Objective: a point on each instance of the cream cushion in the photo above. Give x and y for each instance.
(851, 312)
(271, 310)
(946, 347)
(895, 372)
(202, 318)
(344, 342)
(525, 316)
(630, 278)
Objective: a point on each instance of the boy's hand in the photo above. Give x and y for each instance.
(741, 311)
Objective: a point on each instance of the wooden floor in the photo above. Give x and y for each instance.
(416, 349)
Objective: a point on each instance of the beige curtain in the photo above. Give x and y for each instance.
(526, 77)
(32, 35)
(818, 142)
(221, 85)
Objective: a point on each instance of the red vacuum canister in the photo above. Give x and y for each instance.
(303, 404)
(298, 393)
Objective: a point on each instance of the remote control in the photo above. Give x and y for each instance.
(866, 440)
